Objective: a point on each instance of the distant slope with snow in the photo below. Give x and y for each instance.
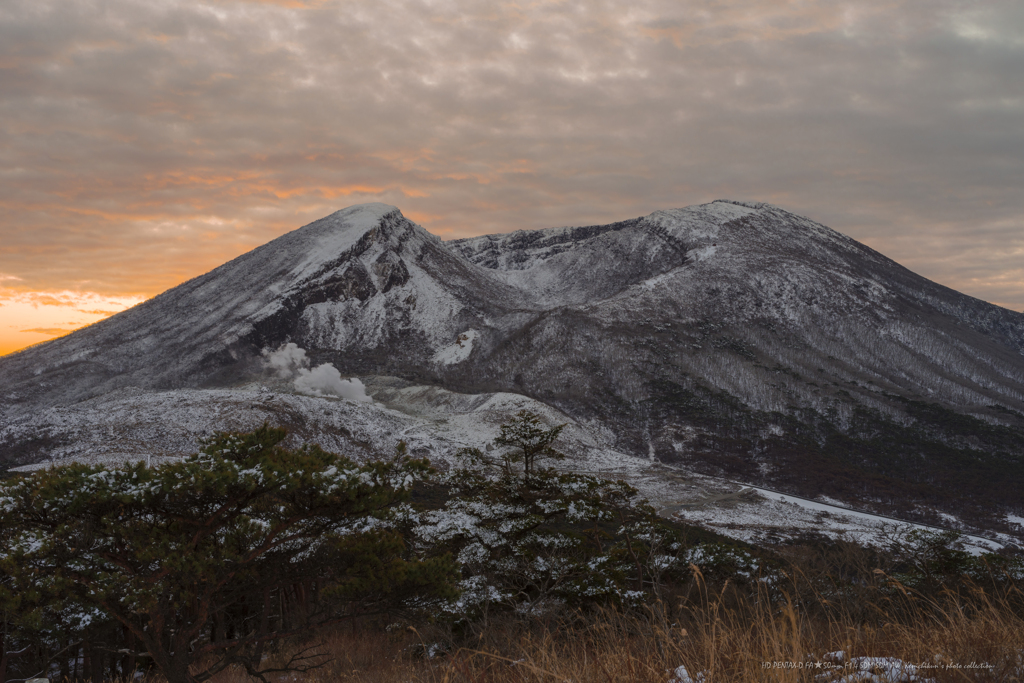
(729, 338)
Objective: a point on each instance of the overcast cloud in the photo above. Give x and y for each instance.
(145, 142)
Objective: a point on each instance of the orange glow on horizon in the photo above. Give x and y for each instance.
(28, 318)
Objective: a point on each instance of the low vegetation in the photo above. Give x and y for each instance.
(250, 560)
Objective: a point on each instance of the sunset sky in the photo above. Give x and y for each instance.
(144, 142)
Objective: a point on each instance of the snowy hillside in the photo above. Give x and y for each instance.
(729, 339)
(132, 424)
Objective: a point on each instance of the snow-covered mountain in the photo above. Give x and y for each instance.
(731, 338)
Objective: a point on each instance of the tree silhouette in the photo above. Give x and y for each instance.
(529, 441)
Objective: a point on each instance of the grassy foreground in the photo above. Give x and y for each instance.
(727, 635)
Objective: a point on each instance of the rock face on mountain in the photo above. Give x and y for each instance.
(731, 338)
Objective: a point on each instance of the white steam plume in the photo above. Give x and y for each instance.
(286, 361)
(290, 362)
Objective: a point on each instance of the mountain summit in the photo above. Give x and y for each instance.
(731, 338)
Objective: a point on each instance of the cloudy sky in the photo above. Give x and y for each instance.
(144, 142)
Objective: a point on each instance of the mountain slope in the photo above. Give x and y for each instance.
(366, 263)
(732, 338)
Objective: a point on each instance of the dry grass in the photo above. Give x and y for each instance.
(727, 636)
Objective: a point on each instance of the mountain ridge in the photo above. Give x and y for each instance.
(732, 338)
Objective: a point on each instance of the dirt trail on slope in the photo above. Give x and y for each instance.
(726, 499)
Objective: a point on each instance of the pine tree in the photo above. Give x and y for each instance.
(215, 558)
(529, 441)
(539, 539)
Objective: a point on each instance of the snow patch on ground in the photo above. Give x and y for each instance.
(760, 516)
(681, 675)
(702, 254)
(975, 544)
(459, 351)
(870, 670)
(652, 283)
